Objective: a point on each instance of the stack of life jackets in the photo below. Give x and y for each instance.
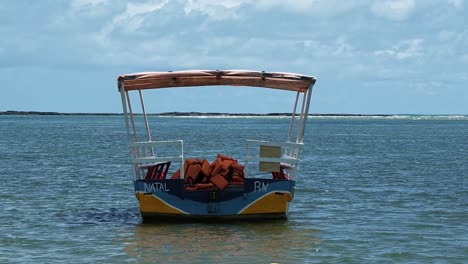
(201, 175)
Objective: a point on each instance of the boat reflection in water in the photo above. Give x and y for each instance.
(220, 243)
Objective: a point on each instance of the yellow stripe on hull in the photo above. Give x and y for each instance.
(273, 202)
(152, 204)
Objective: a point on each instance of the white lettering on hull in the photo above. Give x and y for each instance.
(155, 187)
(260, 186)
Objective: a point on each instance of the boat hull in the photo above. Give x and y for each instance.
(256, 199)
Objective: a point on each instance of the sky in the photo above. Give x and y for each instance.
(369, 56)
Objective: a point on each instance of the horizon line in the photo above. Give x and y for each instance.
(195, 113)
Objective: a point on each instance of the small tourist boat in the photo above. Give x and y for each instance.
(258, 185)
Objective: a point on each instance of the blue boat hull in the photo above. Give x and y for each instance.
(256, 199)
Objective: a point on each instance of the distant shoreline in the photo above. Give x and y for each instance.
(11, 112)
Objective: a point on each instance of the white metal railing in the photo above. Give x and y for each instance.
(289, 157)
(146, 152)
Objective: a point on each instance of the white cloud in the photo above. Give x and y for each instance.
(316, 7)
(88, 7)
(80, 4)
(451, 43)
(464, 58)
(131, 19)
(343, 47)
(458, 4)
(446, 35)
(216, 10)
(300, 5)
(339, 41)
(406, 49)
(397, 10)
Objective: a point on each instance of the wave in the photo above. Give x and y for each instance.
(331, 117)
(414, 117)
(256, 115)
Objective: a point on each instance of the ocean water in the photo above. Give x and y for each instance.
(371, 190)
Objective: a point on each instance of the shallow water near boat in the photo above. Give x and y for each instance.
(371, 189)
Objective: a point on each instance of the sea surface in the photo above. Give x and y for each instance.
(371, 190)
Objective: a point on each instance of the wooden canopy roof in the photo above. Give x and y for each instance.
(275, 80)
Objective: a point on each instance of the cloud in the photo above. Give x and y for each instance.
(397, 10)
(131, 20)
(451, 43)
(227, 33)
(297, 6)
(216, 10)
(315, 7)
(374, 44)
(464, 58)
(458, 4)
(87, 4)
(406, 49)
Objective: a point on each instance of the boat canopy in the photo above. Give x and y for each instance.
(275, 80)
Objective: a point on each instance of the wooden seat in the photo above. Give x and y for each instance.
(281, 175)
(157, 171)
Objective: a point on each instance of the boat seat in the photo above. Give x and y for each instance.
(157, 171)
(281, 175)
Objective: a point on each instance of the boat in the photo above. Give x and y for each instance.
(169, 186)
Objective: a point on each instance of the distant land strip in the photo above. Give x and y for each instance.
(11, 112)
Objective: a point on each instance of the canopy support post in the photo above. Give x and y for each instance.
(132, 120)
(125, 111)
(146, 120)
(301, 120)
(124, 94)
(292, 120)
(306, 112)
